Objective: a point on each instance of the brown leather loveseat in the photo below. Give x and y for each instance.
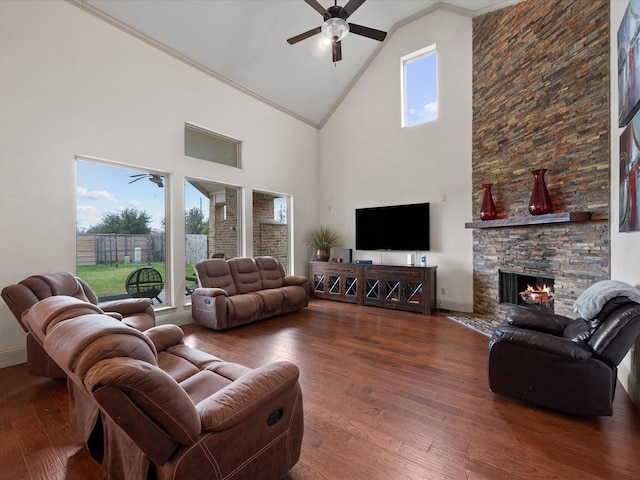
(150, 407)
(135, 312)
(242, 290)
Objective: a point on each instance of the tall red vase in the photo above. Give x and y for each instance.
(540, 202)
(488, 210)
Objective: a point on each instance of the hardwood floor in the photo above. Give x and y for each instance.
(388, 396)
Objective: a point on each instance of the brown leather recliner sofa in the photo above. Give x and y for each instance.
(150, 407)
(242, 290)
(568, 365)
(135, 312)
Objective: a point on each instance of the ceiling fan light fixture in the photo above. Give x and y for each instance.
(335, 29)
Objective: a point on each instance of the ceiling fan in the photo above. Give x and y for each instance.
(335, 26)
(157, 179)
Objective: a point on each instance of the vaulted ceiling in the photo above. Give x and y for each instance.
(243, 42)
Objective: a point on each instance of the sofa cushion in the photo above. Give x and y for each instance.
(245, 274)
(203, 384)
(215, 273)
(272, 300)
(243, 308)
(271, 272)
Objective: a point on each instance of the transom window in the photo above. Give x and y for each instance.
(419, 87)
(213, 147)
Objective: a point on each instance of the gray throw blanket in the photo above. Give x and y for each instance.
(591, 301)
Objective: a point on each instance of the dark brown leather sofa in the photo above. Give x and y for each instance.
(565, 364)
(135, 312)
(150, 407)
(242, 290)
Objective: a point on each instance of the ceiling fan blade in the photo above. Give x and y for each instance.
(367, 32)
(350, 7)
(336, 50)
(318, 8)
(304, 35)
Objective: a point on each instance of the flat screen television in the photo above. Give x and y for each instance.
(395, 227)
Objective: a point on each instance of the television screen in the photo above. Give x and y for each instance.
(396, 227)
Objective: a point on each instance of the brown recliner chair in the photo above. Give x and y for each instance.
(150, 407)
(135, 312)
(565, 364)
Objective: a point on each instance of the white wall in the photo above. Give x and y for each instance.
(625, 247)
(367, 159)
(74, 85)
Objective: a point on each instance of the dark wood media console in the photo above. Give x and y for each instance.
(389, 286)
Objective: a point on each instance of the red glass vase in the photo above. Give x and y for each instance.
(488, 210)
(540, 202)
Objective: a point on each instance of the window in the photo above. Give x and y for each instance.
(271, 226)
(213, 147)
(120, 229)
(419, 87)
(211, 224)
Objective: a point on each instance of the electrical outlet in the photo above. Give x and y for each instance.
(442, 291)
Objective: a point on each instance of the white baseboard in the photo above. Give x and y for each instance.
(14, 356)
(456, 306)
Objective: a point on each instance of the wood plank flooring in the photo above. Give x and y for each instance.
(387, 395)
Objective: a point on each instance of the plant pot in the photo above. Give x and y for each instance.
(323, 254)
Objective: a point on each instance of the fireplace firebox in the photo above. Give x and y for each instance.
(526, 290)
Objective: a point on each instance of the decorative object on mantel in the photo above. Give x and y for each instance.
(540, 202)
(322, 239)
(488, 210)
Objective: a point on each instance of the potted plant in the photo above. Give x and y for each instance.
(322, 239)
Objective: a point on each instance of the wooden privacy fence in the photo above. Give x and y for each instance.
(109, 249)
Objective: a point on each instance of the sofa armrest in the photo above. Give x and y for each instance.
(295, 280)
(128, 306)
(210, 292)
(165, 336)
(240, 399)
(537, 320)
(540, 341)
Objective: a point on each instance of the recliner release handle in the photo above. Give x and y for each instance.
(274, 417)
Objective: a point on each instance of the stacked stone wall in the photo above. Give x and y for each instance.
(541, 100)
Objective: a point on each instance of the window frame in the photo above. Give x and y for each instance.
(406, 60)
(168, 274)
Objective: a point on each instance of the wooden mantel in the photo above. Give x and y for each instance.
(531, 220)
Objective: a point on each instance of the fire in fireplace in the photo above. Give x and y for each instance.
(532, 291)
(538, 295)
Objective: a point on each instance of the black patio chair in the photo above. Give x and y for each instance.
(145, 282)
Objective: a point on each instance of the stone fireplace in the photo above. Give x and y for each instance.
(541, 100)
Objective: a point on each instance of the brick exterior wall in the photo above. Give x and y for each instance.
(270, 237)
(541, 100)
(223, 233)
